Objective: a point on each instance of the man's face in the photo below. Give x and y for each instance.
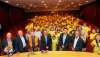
(45, 32)
(65, 31)
(8, 36)
(98, 37)
(20, 33)
(84, 25)
(77, 33)
(94, 31)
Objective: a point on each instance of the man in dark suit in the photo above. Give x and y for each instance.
(46, 41)
(8, 44)
(64, 40)
(78, 43)
(21, 43)
(0, 51)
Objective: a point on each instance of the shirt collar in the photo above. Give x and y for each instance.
(77, 37)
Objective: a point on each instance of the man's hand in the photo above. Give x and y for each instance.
(62, 46)
(47, 47)
(73, 49)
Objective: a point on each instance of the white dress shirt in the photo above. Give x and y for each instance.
(9, 45)
(23, 41)
(64, 38)
(75, 42)
(38, 34)
(9, 42)
(46, 39)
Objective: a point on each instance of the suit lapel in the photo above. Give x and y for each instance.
(6, 43)
(78, 42)
(65, 40)
(20, 41)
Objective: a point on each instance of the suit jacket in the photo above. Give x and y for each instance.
(66, 43)
(80, 44)
(19, 45)
(44, 44)
(5, 43)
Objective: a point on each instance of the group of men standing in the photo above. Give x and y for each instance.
(23, 43)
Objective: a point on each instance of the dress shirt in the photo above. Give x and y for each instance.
(64, 38)
(38, 34)
(75, 42)
(46, 40)
(23, 41)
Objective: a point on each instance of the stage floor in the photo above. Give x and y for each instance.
(55, 54)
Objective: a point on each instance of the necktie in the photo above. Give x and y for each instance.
(30, 41)
(36, 41)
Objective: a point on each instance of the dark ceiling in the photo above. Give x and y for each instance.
(48, 5)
